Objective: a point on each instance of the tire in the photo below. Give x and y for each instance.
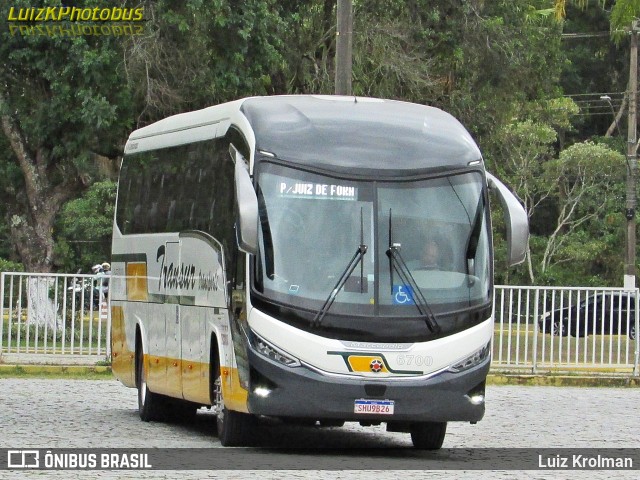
(234, 428)
(151, 405)
(428, 435)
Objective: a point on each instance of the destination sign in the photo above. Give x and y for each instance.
(317, 190)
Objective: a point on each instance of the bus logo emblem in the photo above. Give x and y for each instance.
(376, 366)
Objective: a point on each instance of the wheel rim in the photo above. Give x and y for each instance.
(143, 387)
(557, 327)
(143, 382)
(218, 402)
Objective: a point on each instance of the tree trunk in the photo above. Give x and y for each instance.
(31, 217)
(33, 240)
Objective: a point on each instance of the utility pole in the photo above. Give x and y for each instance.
(344, 44)
(632, 164)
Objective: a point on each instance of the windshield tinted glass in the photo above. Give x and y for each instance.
(439, 227)
(311, 228)
(312, 225)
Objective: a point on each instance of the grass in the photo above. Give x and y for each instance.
(56, 372)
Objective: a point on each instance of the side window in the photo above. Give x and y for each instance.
(134, 196)
(181, 188)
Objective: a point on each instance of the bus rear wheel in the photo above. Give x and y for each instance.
(234, 428)
(150, 405)
(428, 435)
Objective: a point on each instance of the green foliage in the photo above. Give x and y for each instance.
(506, 61)
(585, 244)
(588, 162)
(67, 91)
(84, 229)
(9, 266)
(623, 13)
(195, 54)
(519, 155)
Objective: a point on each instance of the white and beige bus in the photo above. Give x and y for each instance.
(312, 259)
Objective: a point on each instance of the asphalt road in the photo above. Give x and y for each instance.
(54, 414)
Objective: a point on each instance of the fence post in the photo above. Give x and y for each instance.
(637, 339)
(535, 331)
(108, 328)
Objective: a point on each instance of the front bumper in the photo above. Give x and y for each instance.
(300, 392)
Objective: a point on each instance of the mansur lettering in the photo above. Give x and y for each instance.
(184, 276)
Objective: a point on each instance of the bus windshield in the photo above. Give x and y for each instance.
(312, 226)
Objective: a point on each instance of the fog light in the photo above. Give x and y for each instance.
(262, 392)
(477, 399)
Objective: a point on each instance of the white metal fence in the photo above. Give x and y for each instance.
(536, 328)
(57, 314)
(572, 329)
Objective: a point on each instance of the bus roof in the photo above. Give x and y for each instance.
(358, 134)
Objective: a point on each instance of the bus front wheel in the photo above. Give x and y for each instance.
(428, 435)
(233, 427)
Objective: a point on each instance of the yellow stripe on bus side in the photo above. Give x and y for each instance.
(235, 396)
(170, 376)
(190, 380)
(122, 357)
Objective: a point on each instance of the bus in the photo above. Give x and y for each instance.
(311, 259)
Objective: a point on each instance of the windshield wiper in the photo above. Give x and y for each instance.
(351, 266)
(474, 238)
(397, 263)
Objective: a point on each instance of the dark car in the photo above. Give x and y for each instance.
(608, 313)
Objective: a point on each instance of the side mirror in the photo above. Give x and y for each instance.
(246, 205)
(515, 218)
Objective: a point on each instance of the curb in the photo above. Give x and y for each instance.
(563, 380)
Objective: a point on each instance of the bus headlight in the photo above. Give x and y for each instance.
(476, 358)
(266, 349)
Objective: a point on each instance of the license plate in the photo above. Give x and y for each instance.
(374, 407)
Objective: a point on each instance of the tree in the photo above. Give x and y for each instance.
(62, 104)
(83, 228)
(525, 147)
(585, 177)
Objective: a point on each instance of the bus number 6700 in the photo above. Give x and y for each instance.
(417, 360)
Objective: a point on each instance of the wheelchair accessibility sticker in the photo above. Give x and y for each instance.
(402, 295)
